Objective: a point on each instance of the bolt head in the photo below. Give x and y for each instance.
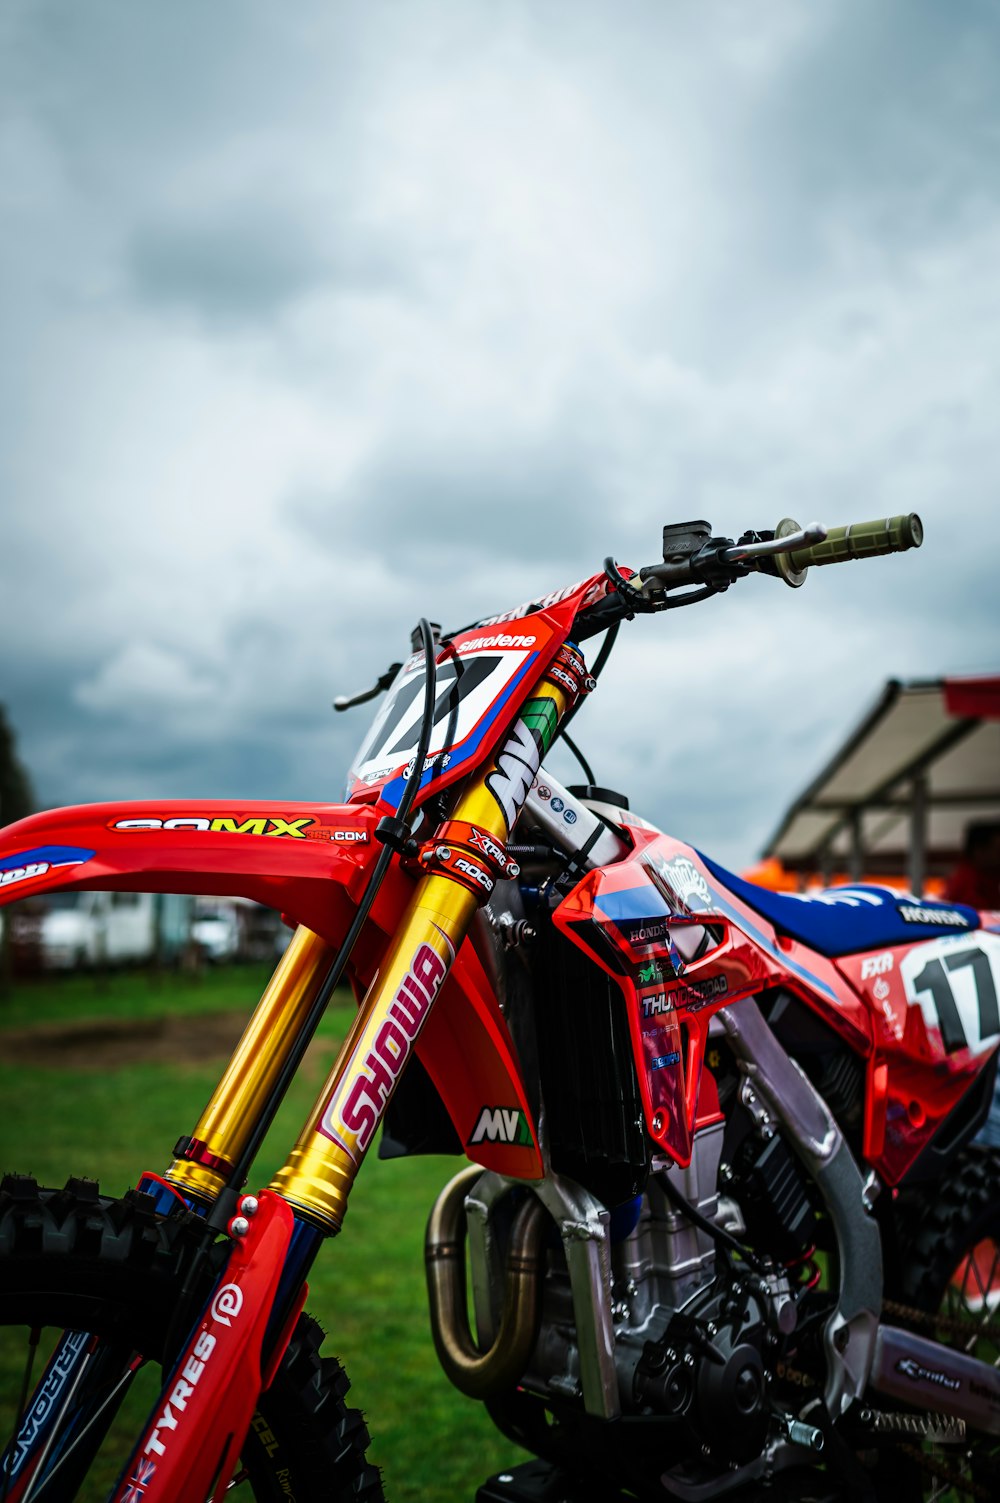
(239, 1226)
(513, 870)
(443, 853)
(249, 1205)
(658, 1122)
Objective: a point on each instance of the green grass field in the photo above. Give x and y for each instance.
(367, 1288)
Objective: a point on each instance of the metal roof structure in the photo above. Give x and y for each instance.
(898, 795)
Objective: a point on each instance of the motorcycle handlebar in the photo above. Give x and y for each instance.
(857, 540)
(862, 540)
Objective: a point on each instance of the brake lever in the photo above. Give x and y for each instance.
(746, 553)
(348, 701)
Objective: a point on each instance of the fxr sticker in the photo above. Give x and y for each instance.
(876, 965)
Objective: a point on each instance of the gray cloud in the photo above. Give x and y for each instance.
(316, 321)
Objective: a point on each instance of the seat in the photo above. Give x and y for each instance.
(846, 920)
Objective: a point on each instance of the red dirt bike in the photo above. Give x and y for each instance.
(726, 1231)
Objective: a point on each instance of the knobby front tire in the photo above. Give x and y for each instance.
(72, 1259)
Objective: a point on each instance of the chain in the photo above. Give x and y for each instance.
(950, 1323)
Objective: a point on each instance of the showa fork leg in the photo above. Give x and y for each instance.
(462, 860)
(191, 1442)
(190, 1446)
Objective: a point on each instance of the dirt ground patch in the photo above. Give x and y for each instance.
(109, 1044)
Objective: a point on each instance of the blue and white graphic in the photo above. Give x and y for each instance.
(24, 865)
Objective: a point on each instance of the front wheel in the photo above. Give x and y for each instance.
(74, 1261)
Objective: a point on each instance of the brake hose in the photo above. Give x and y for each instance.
(237, 1177)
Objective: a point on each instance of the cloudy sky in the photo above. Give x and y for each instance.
(317, 318)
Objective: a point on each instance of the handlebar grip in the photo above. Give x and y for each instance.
(862, 540)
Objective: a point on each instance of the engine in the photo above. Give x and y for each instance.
(694, 1328)
(669, 1314)
(695, 1332)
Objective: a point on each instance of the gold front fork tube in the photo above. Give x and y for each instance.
(324, 1163)
(319, 1173)
(241, 1095)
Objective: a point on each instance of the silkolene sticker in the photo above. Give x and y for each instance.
(474, 682)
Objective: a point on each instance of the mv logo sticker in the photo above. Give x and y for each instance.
(502, 1124)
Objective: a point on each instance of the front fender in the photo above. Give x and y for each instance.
(307, 860)
(310, 862)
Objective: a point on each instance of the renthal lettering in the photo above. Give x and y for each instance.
(516, 770)
(378, 1072)
(223, 823)
(876, 965)
(912, 914)
(22, 873)
(181, 1392)
(475, 873)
